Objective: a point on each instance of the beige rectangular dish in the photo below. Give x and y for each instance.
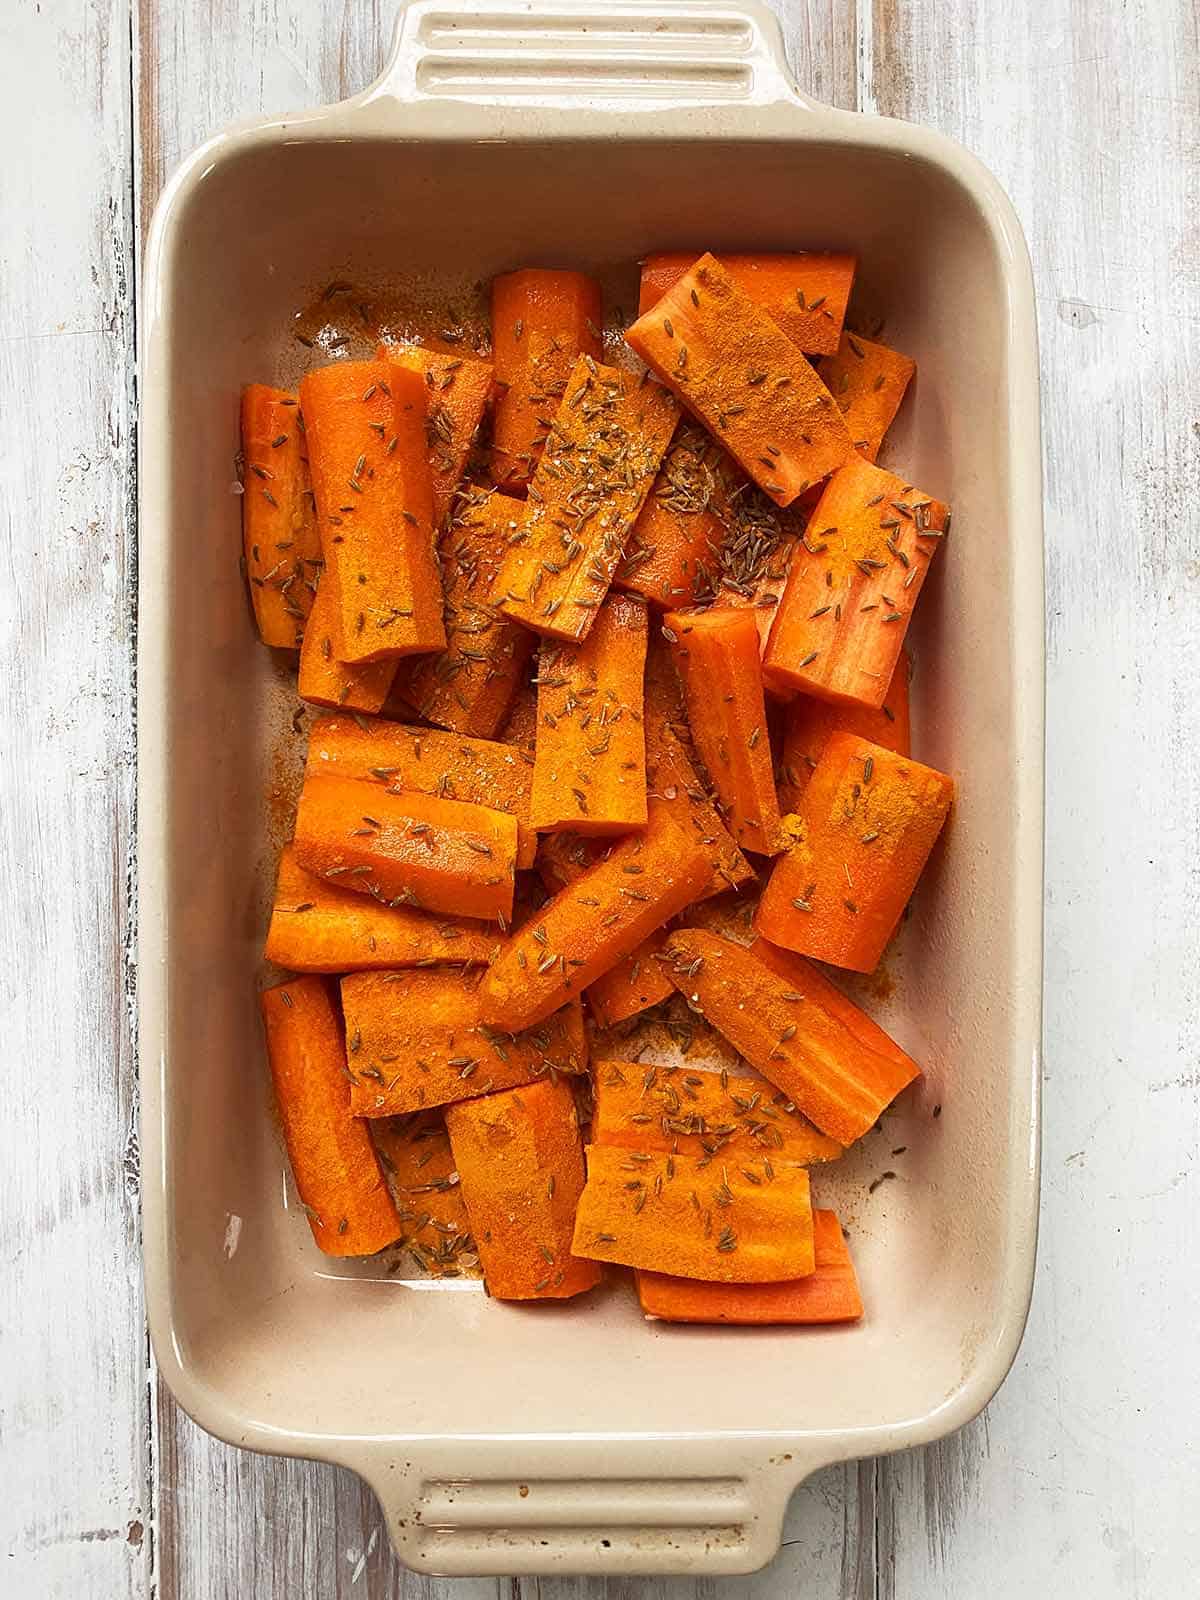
(578, 1437)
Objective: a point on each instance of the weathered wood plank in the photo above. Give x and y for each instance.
(74, 1515)
(1081, 1472)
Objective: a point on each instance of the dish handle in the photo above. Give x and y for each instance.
(586, 1505)
(610, 54)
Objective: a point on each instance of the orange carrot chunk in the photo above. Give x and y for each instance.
(414, 1039)
(589, 926)
(744, 1222)
(805, 293)
(334, 1163)
(519, 727)
(868, 381)
(603, 449)
(318, 927)
(840, 1068)
(634, 984)
(830, 1293)
(810, 723)
(675, 782)
(589, 773)
(279, 525)
(408, 849)
(365, 423)
(451, 766)
(852, 586)
(459, 388)
(468, 685)
(542, 321)
(728, 362)
(717, 656)
(673, 555)
(415, 1154)
(701, 1114)
(866, 824)
(520, 1161)
(326, 681)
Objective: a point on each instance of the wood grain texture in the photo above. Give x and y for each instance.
(1083, 1469)
(73, 1406)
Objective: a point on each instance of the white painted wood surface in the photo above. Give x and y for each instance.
(1083, 1470)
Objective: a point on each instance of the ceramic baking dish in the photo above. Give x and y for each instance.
(580, 1438)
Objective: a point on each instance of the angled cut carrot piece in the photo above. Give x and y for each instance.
(449, 765)
(809, 724)
(333, 1160)
(318, 927)
(589, 772)
(415, 1154)
(852, 586)
(805, 292)
(701, 1114)
(830, 1293)
(631, 986)
(751, 387)
(866, 824)
(716, 653)
(520, 1160)
(542, 322)
(673, 554)
(868, 381)
(605, 443)
(414, 1039)
(743, 1222)
(459, 388)
(323, 679)
(468, 686)
(279, 523)
(675, 782)
(519, 727)
(590, 925)
(365, 424)
(840, 1068)
(409, 849)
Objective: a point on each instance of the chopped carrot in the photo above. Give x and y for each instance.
(750, 386)
(791, 1024)
(408, 849)
(675, 782)
(318, 927)
(716, 653)
(333, 1160)
(415, 1154)
(852, 585)
(805, 293)
(589, 926)
(673, 555)
(809, 723)
(326, 681)
(868, 382)
(542, 321)
(365, 424)
(459, 389)
(749, 1222)
(604, 447)
(635, 983)
(468, 686)
(701, 1114)
(414, 1039)
(448, 765)
(866, 824)
(589, 773)
(830, 1293)
(520, 1160)
(279, 525)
